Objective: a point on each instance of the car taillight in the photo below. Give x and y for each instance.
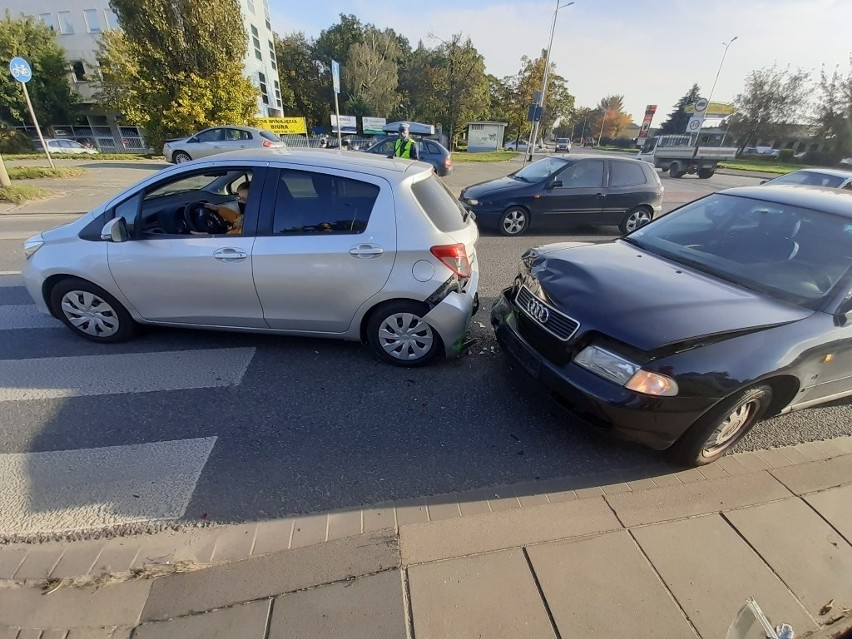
(454, 256)
(267, 144)
(448, 162)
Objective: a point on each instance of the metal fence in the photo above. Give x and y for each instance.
(129, 139)
(327, 141)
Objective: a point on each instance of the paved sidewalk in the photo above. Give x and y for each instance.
(668, 555)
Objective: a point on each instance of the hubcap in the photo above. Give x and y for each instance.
(514, 222)
(90, 314)
(729, 428)
(404, 336)
(180, 158)
(637, 219)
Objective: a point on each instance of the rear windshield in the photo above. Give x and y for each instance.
(445, 211)
(809, 178)
(269, 135)
(561, 140)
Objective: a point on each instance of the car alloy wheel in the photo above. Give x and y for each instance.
(398, 334)
(514, 221)
(634, 219)
(181, 157)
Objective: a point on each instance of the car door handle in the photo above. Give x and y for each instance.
(229, 255)
(599, 195)
(366, 251)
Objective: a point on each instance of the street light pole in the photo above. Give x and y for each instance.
(712, 89)
(536, 124)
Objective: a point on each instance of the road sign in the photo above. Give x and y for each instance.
(20, 70)
(335, 75)
(534, 113)
(694, 124)
(701, 105)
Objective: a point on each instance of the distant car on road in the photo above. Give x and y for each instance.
(830, 178)
(563, 145)
(64, 146)
(761, 151)
(430, 151)
(219, 139)
(520, 145)
(558, 191)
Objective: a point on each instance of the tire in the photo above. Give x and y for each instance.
(397, 334)
(673, 171)
(705, 173)
(514, 221)
(91, 312)
(180, 157)
(635, 218)
(712, 435)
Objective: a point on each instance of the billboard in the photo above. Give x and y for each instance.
(284, 126)
(348, 124)
(650, 110)
(373, 126)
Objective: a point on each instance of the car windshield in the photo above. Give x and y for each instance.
(791, 253)
(809, 178)
(540, 169)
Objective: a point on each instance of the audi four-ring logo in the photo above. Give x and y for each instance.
(538, 310)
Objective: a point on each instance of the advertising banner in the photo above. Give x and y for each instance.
(373, 126)
(284, 126)
(348, 124)
(650, 110)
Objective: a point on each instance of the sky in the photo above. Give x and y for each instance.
(649, 51)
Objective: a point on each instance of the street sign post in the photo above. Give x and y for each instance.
(23, 73)
(694, 124)
(335, 78)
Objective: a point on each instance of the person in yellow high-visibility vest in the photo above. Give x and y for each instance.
(405, 147)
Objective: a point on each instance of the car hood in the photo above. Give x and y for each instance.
(492, 187)
(646, 301)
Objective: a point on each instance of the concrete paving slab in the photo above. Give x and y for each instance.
(367, 607)
(641, 484)
(52, 634)
(273, 536)
(773, 458)
(707, 496)
(712, 471)
(752, 461)
(817, 475)
(711, 572)
(792, 455)
(412, 511)
(309, 530)
(690, 476)
(604, 587)
(813, 450)
(379, 517)
(95, 633)
(731, 465)
(78, 559)
(270, 575)
(835, 505)
(11, 559)
(810, 557)
(29, 633)
(490, 596)
(473, 502)
(8, 633)
(344, 524)
(40, 561)
(442, 508)
(247, 621)
(495, 531)
(117, 555)
(562, 496)
(234, 543)
(113, 605)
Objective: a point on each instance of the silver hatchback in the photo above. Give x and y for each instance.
(219, 139)
(305, 242)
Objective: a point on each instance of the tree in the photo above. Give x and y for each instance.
(679, 118)
(772, 101)
(558, 102)
(834, 113)
(610, 118)
(371, 72)
(51, 95)
(335, 42)
(179, 65)
(305, 90)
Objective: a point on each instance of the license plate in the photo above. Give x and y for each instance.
(529, 362)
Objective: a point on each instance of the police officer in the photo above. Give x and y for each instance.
(405, 147)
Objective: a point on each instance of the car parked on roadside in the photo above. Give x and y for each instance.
(563, 145)
(831, 178)
(687, 332)
(561, 191)
(337, 245)
(429, 151)
(70, 147)
(761, 151)
(521, 145)
(219, 139)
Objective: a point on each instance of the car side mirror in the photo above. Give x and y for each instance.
(764, 181)
(555, 184)
(192, 140)
(115, 230)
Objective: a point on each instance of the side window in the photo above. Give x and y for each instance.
(585, 174)
(211, 135)
(308, 202)
(235, 135)
(625, 174)
(428, 147)
(128, 210)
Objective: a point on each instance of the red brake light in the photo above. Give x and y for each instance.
(266, 144)
(448, 162)
(454, 257)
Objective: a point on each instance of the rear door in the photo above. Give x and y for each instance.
(326, 245)
(628, 188)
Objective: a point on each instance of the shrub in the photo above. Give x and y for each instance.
(13, 141)
(786, 155)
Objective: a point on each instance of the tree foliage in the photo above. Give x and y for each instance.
(772, 101)
(679, 118)
(521, 89)
(305, 89)
(610, 118)
(51, 95)
(172, 70)
(371, 72)
(834, 112)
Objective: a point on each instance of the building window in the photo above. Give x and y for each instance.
(272, 55)
(47, 20)
(79, 71)
(93, 21)
(251, 5)
(65, 25)
(277, 93)
(255, 38)
(111, 19)
(264, 92)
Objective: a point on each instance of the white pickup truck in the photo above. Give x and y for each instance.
(677, 154)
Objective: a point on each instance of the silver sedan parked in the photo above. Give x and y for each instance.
(219, 139)
(306, 242)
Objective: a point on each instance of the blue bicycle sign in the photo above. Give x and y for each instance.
(20, 70)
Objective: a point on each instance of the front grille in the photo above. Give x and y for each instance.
(555, 322)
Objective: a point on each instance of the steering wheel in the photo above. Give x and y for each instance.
(204, 220)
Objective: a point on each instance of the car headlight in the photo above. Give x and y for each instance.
(473, 202)
(625, 373)
(33, 244)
